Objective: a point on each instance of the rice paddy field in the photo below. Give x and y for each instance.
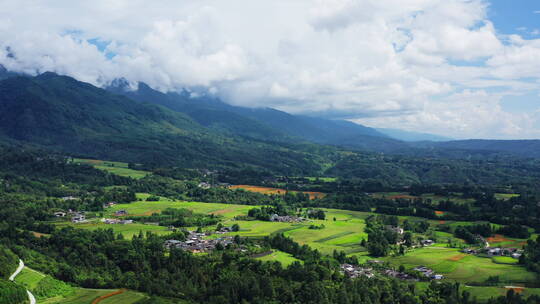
(268, 190)
(117, 168)
(345, 233)
(461, 267)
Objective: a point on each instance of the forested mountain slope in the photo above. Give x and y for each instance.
(63, 114)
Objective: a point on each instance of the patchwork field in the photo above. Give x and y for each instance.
(268, 190)
(433, 197)
(345, 233)
(464, 268)
(117, 168)
(502, 241)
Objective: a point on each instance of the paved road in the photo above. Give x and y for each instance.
(12, 278)
(19, 269)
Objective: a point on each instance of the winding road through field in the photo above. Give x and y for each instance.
(12, 278)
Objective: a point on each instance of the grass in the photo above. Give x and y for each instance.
(284, 258)
(128, 230)
(460, 267)
(117, 168)
(322, 179)
(29, 278)
(505, 196)
(504, 260)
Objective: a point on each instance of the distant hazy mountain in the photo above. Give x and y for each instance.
(411, 136)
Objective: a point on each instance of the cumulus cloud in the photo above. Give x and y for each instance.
(436, 65)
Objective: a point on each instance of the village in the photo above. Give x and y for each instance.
(196, 243)
(355, 271)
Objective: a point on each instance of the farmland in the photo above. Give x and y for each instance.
(462, 267)
(342, 231)
(51, 291)
(284, 258)
(117, 168)
(268, 190)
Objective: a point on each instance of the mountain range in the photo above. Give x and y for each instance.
(145, 125)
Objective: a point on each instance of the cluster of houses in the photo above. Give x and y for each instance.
(399, 275)
(354, 271)
(109, 205)
(117, 221)
(496, 251)
(195, 242)
(76, 216)
(286, 218)
(428, 273)
(427, 242)
(121, 213)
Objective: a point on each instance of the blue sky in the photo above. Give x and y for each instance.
(517, 17)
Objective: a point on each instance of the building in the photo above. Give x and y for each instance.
(286, 218)
(60, 214)
(78, 218)
(427, 242)
(354, 271)
(121, 213)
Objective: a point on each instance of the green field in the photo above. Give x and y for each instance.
(128, 297)
(128, 230)
(461, 267)
(505, 196)
(343, 234)
(117, 168)
(29, 278)
(504, 260)
(284, 258)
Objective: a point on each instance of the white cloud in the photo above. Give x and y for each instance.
(402, 63)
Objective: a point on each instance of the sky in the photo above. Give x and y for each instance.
(459, 68)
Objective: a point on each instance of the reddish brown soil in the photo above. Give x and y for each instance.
(114, 293)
